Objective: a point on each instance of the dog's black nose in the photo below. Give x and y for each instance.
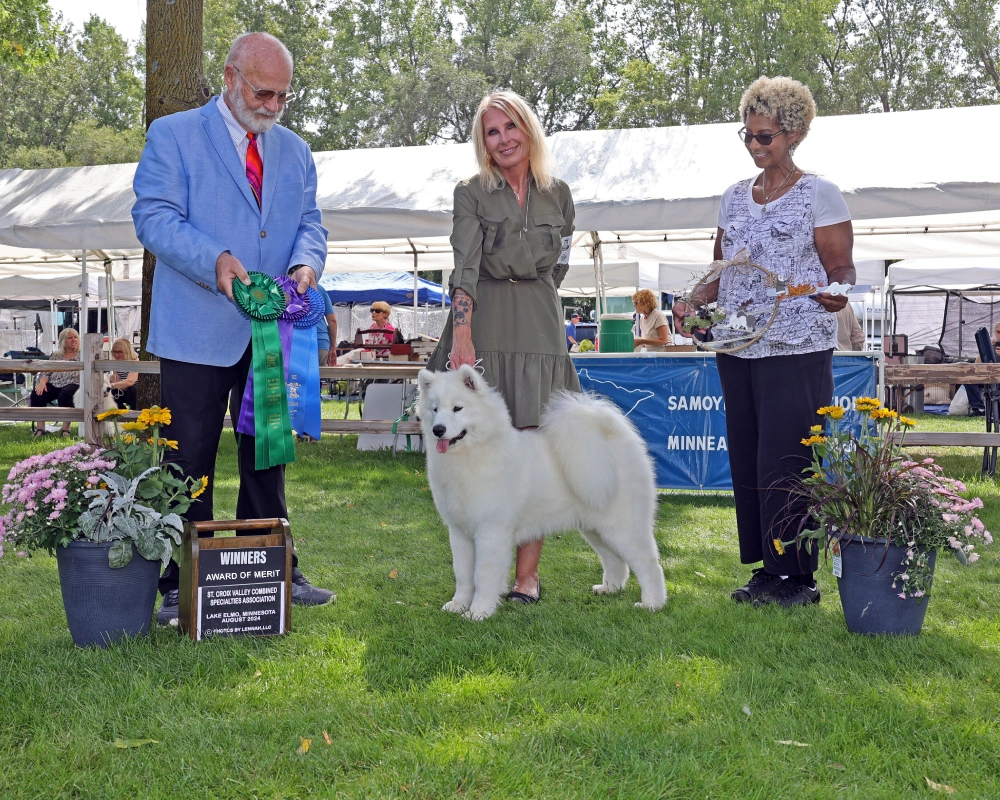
(439, 430)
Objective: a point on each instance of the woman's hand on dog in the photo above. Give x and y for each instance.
(462, 351)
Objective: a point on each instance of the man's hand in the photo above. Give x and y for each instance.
(305, 277)
(227, 269)
(831, 302)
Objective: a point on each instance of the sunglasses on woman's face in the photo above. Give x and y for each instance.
(764, 138)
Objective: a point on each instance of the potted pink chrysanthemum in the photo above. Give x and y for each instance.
(111, 516)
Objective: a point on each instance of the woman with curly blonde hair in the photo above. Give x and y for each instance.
(511, 237)
(653, 327)
(795, 224)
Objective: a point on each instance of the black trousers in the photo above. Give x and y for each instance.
(63, 395)
(126, 398)
(198, 396)
(770, 405)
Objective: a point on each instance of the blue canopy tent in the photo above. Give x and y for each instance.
(395, 288)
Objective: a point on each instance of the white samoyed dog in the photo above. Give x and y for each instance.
(584, 467)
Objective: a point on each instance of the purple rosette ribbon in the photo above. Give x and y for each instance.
(298, 305)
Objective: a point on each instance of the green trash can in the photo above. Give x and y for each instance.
(615, 335)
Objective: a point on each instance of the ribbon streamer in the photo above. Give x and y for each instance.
(264, 302)
(303, 313)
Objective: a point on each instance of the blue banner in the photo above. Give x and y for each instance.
(676, 403)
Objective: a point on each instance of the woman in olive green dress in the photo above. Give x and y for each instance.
(511, 237)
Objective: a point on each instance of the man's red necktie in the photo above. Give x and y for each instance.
(255, 168)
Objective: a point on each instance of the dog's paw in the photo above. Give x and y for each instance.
(651, 606)
(455, 607)
(478, 614)
(603, 588)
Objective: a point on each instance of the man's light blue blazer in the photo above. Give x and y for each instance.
(193, 202)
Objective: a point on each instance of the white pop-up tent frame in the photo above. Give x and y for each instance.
(651, 194)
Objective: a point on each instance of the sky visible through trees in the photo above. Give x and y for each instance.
(374, 73)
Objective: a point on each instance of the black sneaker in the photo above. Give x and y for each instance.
(789, 594)
(168, 613)
(305, 594)
(760, 584)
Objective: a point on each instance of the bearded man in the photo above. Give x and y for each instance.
(221, 190)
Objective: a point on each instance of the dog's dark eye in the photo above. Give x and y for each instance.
(435, 409)
(456, 409)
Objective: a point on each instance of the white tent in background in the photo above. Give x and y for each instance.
(647, 196)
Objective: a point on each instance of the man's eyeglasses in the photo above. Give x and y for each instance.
(266, 94)
(764, 138)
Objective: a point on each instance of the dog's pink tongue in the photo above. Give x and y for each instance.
(442, 445)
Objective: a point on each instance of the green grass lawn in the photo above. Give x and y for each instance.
(577, 697)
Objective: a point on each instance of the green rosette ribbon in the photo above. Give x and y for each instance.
(264, 301)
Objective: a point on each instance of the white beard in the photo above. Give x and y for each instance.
(259, 121)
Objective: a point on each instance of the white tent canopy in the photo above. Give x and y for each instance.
(651, 179)
(946, 273)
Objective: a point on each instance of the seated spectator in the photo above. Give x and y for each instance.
(122, 382)
(58, 386)
(380, 322)
(652, 322)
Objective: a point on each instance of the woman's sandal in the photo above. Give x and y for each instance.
(66, 434)
(526, 599)
(39, 432)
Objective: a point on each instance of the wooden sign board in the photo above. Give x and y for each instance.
(236, 585)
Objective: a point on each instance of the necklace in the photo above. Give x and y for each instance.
(763, 187)
(527, 200)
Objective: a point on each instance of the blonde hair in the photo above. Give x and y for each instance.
(60, 351)
(784, 100)
(645, 299)
(130, 354)
(540, 159)
(381, 305)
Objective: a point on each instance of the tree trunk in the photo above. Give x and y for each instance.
(175, 81)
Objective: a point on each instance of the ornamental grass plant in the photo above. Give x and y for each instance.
(123, 493)
(861, 488)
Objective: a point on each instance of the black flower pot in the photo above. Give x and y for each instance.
(871, 605)
(104, 604)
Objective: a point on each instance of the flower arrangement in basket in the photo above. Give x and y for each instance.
(862, 488)
(123, 494)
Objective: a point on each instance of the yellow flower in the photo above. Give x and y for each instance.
(817, 476)
(128, 438)
(134, 426)
(168, 443)
(836, 412)
(114, 412)
(884, 413)
(865, 404)
(202, 486)
(779, 547)
(814, 439)
(906, 422)
(154, 415)
(816, 429)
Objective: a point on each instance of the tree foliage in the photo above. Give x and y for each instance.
(379, 73)
(83, 106)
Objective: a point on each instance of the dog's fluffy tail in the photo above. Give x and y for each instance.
(595, 446)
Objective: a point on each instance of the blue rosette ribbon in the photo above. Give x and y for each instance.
(302, 314)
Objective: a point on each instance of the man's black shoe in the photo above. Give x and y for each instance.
(168, 613)
(760, 584)
(789, 594)
(305, 594)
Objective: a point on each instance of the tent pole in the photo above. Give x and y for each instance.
(52, 321)
(83, 295)
(110, 290)
(416, 287)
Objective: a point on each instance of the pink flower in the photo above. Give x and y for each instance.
(928, 461)
(93, 480)
(54, 515)
(973, 558)
(22, 554)
(902, 595)
(950, 517)
(918, 593)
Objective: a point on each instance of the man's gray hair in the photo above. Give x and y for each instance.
(248, 43)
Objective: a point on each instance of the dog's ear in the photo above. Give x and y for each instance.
(424, 379)
(472, 379)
